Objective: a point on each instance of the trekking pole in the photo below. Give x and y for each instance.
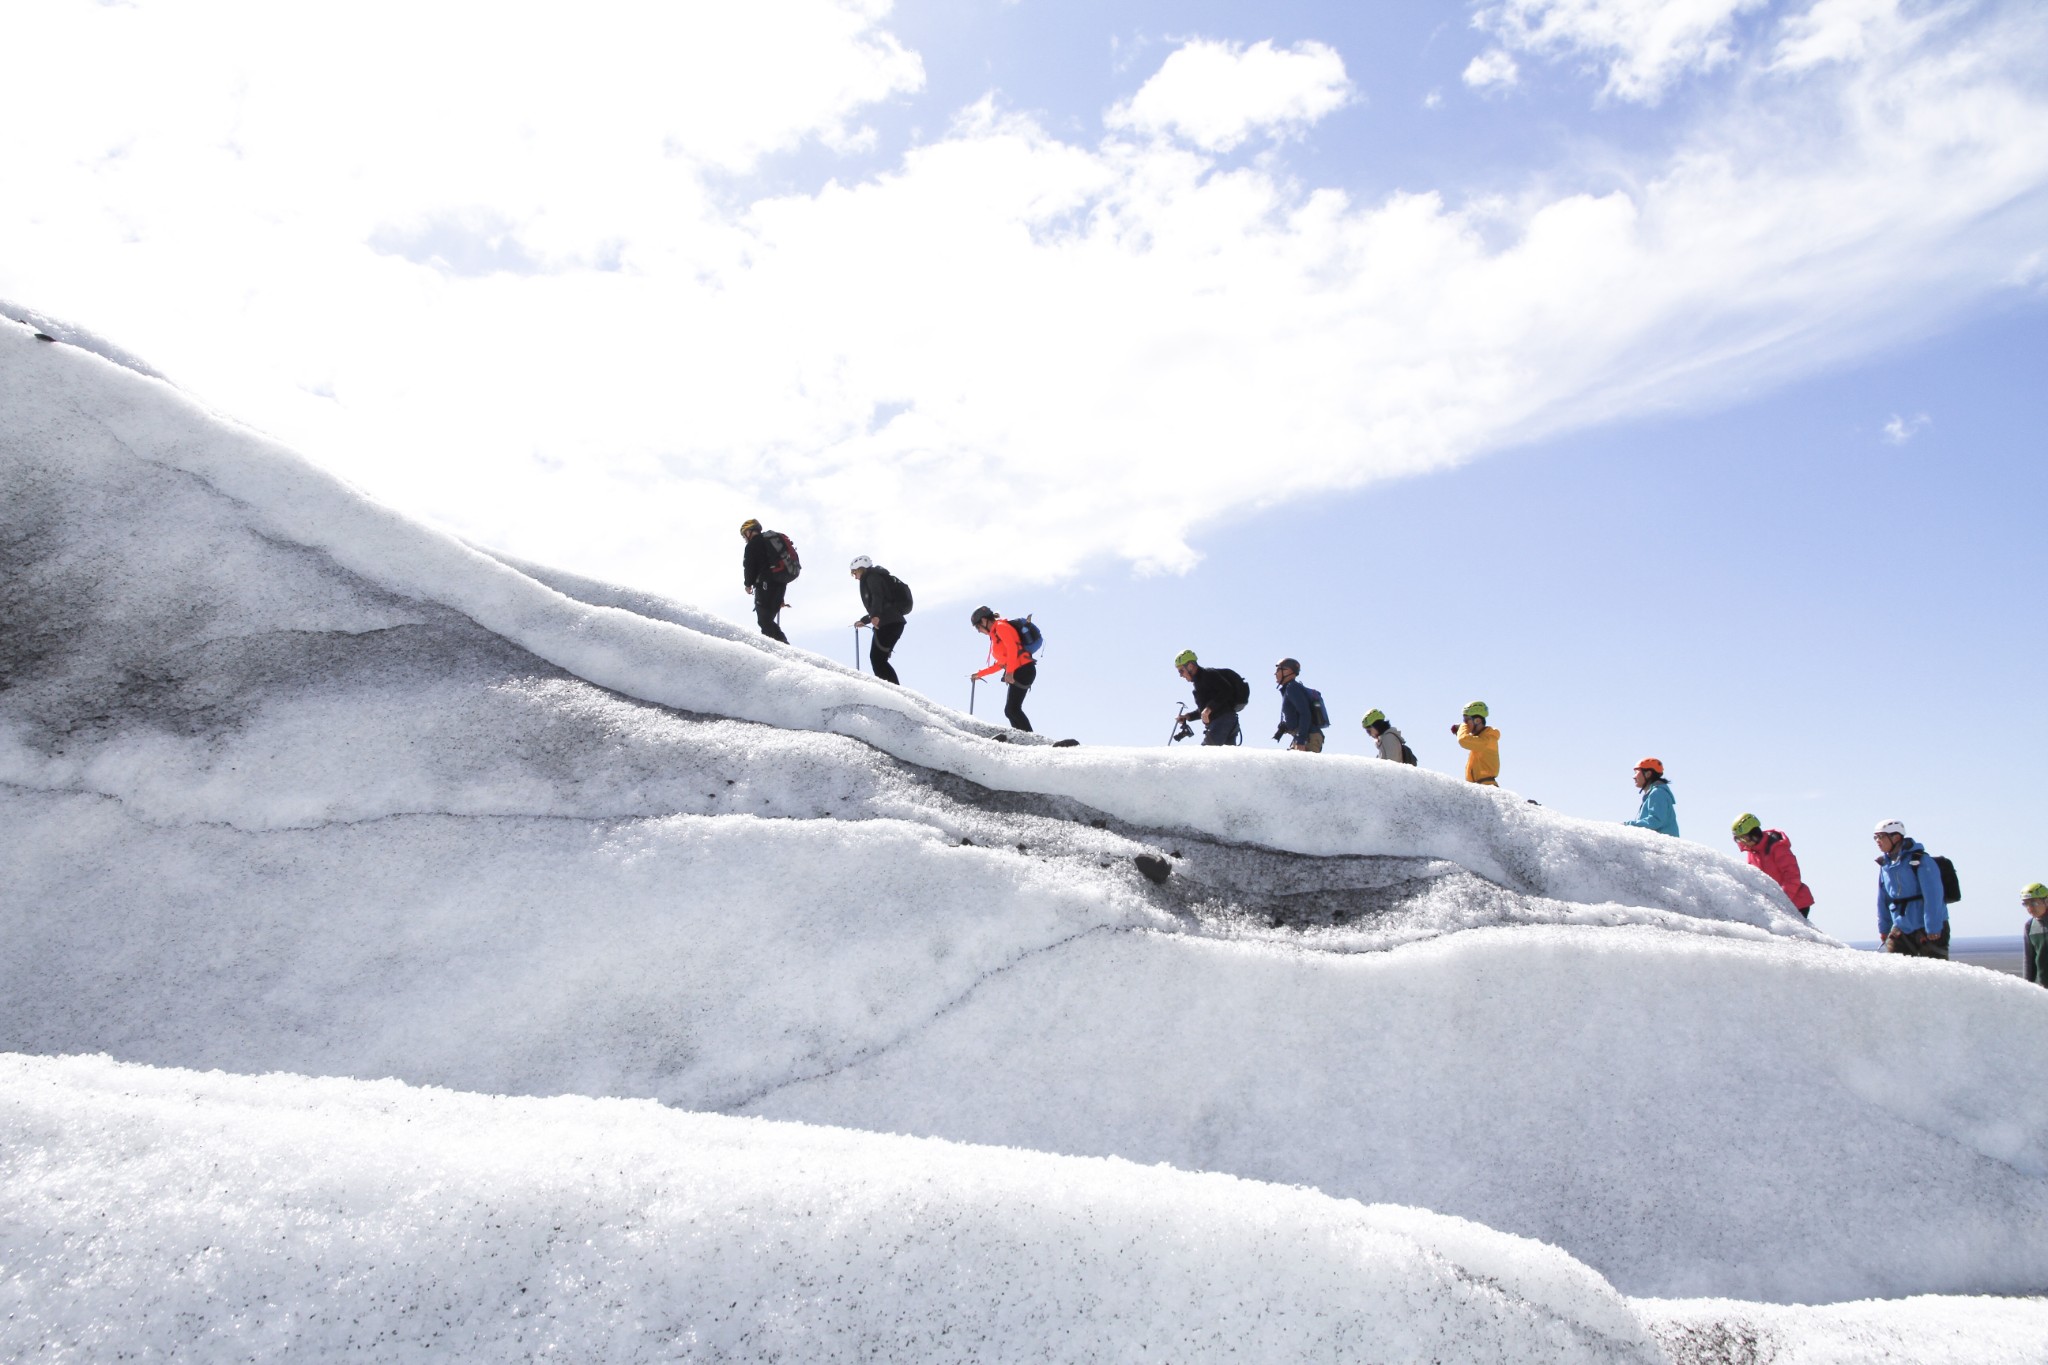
(972, 683)
(856, 649)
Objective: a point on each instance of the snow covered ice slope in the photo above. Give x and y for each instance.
(289, 782)
(299, 1219)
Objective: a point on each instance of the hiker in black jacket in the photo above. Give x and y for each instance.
(1217, 692)
(886, 599)
(765, 575)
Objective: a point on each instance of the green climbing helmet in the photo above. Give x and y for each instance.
(1184, 658)
(2036, 892)
(1476, 708)
(1746, 825)
(1374, 717)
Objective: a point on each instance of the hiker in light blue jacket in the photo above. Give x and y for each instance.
(1659, 811)
(1912, 910)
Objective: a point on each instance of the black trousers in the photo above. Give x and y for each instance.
(768, 596)
(1222, 729)
(1020, 683)
(883, 643)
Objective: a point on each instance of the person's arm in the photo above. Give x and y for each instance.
(1466, 739)
(1933, 908)
(1004, 648)
(1884, 909)
(2030, 951)
(995, 664)
(1293, 711)
(1663, 810)
(1794, 884)
(1767, 858)
(877, 594)
(1784, 864)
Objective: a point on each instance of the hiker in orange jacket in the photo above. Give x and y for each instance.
(1011, 659)
(1481, 743)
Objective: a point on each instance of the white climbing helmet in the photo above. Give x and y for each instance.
(860, 562)
(1890, 827)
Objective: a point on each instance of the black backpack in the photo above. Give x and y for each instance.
(1951, 884)
(903, 598)
(1235, 687)
(786, 566)
(1408, 754)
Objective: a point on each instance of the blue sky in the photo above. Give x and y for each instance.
(1585, 355)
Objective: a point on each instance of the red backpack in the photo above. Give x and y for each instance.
(786, 566)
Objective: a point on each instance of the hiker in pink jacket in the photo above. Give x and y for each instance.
(1770, 850)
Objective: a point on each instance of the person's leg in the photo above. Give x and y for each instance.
(767, 606)
(1312, 745)
(1936, 945)
(1222, 730)
(1020, 683)
(886, 634)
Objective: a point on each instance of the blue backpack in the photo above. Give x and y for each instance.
(1318, 714)
(1029, 636)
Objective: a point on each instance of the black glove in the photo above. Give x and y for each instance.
(1279, 732)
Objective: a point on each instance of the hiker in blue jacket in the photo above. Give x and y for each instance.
(1912, 916)
(1297, 714)
(1659, 810)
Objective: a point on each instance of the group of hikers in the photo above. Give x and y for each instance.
(1914, 888)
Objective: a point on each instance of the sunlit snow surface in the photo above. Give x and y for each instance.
(288, 782)
(280, 1217)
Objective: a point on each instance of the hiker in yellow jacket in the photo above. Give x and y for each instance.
(1481, 743)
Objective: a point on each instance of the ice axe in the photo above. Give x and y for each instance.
(973, 681)
(1181, 728)
(856, 649)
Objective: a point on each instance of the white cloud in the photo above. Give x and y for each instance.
(1644, 44)
(555, 324)
(1900, 430)
(1848, 30)
(1215, 95)
(1491, 69)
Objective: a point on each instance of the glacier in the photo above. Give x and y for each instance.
(398, 836)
